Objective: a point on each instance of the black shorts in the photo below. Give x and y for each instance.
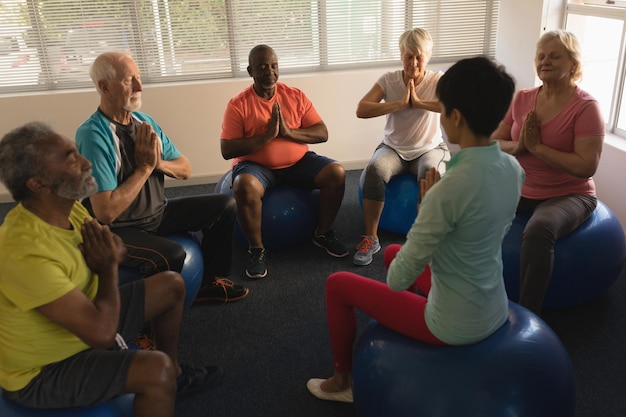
(92, 376)
(300, 174)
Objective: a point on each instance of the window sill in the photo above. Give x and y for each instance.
(616, 142)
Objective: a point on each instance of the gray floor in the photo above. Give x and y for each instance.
(270, 343)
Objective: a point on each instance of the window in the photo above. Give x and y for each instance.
(18, 62)
(599, 26)
(205, 39)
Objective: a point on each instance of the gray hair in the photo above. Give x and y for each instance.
(22, 157)
(416, 39)
(105, 67)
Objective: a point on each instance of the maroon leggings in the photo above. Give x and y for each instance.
(401, 311)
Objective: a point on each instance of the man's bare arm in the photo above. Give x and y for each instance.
(178, 168)
(94, 322)
(108, 205)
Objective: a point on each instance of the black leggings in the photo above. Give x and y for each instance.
(212, 214)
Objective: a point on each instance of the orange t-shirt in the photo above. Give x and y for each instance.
(247, 115)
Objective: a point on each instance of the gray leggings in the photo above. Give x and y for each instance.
(550, 220)
(386, 163)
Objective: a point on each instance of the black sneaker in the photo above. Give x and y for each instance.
(332, 245)
(193, 380)
(221, 290)
(256, 263)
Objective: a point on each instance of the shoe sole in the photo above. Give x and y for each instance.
(222, 300)
(256, 276)
(336, 255)
(314, 387)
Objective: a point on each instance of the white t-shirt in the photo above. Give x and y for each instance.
(411, 132)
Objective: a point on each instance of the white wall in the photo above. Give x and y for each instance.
(609, 177)
(520, 26)
(191, 113)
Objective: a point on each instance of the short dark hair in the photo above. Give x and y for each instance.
(480, 89)
(257, 49)
(22, 157)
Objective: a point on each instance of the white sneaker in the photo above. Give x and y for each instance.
(314, 387)
(365, 251)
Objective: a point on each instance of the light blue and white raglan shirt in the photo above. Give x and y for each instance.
(110, 148)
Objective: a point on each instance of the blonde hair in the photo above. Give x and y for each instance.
(572, 46)
(416, 39)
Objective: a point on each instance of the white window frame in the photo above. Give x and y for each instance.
(609, 3)
(611, 9)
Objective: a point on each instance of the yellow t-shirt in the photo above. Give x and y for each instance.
(38, 264)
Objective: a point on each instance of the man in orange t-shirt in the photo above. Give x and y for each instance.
(267, 129)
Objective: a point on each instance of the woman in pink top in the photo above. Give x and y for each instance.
(556, 132)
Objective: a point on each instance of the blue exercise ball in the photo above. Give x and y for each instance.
(400, 210)
(289, 215)
(119, 407)
(521, 370)
(586, 262)
(193, 267)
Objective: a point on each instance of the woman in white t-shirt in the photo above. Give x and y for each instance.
(412, 142)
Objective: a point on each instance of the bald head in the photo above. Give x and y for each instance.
(259, 50)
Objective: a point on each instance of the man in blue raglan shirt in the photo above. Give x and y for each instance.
(131, 155)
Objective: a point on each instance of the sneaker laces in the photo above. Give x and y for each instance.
(144, 342)
(365, 244)
(191, 372)
(225, 284)
(188, 376)
(329, 235)
(257, 255)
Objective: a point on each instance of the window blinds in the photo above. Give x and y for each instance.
(50, 44)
